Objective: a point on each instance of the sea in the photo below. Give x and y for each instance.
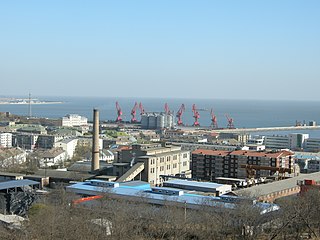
(245, 113)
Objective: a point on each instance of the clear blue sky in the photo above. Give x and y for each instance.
(167, 48)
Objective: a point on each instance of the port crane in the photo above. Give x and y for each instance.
(134, 112)
(119, 112)
(167, 109)
(180, 112)
(196, 116)
(141, 108)
(214, 121)
(230, 122)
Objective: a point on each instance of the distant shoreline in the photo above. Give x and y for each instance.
(26, 103)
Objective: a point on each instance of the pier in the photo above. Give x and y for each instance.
(248, 130)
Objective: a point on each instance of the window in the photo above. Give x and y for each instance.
(162, 159)
(185, 155)
(174, 165)
(175, 157)
(152, 170)
(184, 163)
(161, 168)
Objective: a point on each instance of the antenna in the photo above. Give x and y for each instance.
(30, 113)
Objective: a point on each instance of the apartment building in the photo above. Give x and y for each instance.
(156, 159)
(6, 140)
(209, 164)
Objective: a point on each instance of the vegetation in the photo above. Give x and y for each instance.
(115, 219)
(114, 133)
(82, 152)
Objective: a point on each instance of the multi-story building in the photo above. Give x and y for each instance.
(277, 142)
(297, 140)
(25, 141)
(154, 160)
(312, 144)
(209, 164)
(292, 141)
(47, 141)
(6, 140)
(72, 120)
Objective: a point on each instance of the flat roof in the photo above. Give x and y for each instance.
(17, 183)
(265, 189)
(11, 174)
(195, 183)
(139, 190)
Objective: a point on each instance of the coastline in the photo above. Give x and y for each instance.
(26, 103)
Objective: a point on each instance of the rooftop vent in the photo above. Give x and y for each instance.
(167, 191)
(100, 183)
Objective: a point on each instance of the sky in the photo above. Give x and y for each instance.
(226, 49)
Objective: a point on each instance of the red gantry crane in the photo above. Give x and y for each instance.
(196, 116)
(180, 113)
(167, 109)
(134, 112)
(230, 122)
(141, 108)
(119, 112)
(214, 122)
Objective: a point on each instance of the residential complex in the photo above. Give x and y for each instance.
(210, 164)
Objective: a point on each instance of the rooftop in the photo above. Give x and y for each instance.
(17, 183)
(141, 191)
(265, 189)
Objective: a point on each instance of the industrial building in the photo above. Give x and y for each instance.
(278, 189)
(149, 161)
(153, 120)
(209, 164)
(139, 191)
(16, 196)
(215, 188)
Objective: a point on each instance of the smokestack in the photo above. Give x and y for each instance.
(95, 141)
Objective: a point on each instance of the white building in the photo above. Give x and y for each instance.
(55, 156)
(106, 155)
(68, 145)
(292, 141)
(297, 140)
(6, 140)
(72, 120)
(256, 140)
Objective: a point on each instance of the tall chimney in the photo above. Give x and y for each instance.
(95, 141)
